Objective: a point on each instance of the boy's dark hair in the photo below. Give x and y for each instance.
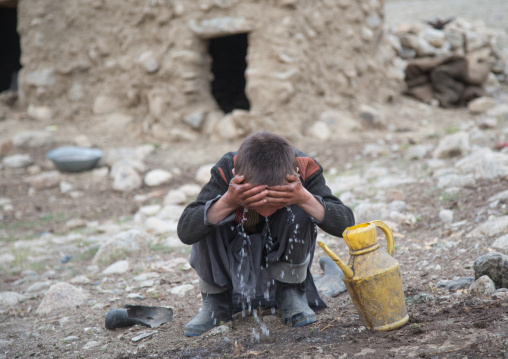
(265, 158)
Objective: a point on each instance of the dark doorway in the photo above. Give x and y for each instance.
(228, 67)
(10, 49)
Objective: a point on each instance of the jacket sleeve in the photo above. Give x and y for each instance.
(337, 215)
(192, 226)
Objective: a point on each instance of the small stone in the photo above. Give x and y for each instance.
(44, 180)
(481, 105)
(446, 215)
(100, 173)
(157, 177)
(125, 178)
(117, 268)
(80, 279)
(32, 139)
(195, 120)
(453, 145)
(181, 289)
(65, 187)
(220, 330)
(175, 197)
(417, 152)
(10, 299)
(61, 296)
(70, 339)
(17, 161)
(91, 344)
(36, 287)
(320, 131)
(434, 37)
(158, 226)
(203, 174)
(487, 122)
(144, 276)
(494, 227)
(150, 210)
(75, 223)
(7, 258)
(144, 335)
(495, 266)
(456, 283)
(190, 190)
(371, 116)
(135, 296)
(483, 286)
(500, 244)
(149, 62)
(104, 104)
(39, 113)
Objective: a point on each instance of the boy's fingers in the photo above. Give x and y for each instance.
(237, 180)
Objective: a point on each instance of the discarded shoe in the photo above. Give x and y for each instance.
(216, 309)
(293, 304)
(331, 283)
(138, 314)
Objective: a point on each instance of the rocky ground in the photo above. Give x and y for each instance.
(74, 246)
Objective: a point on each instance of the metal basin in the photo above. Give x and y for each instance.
(74, 159)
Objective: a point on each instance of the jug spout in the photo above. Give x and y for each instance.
(348, 272)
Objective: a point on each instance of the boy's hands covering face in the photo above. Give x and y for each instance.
(285, 195)
(266, 200)
(246, 195)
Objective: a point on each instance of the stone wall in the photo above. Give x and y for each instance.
(145, 65)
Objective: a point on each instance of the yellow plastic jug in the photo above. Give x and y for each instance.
(372, 277)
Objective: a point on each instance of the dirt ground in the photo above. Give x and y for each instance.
(442, 324)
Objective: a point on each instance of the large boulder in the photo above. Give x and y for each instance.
(61, 296)
(120, 246)
(495, 266)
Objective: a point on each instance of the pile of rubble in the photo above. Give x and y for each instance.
(481, 51)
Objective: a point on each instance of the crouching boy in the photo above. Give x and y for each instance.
(253, 232)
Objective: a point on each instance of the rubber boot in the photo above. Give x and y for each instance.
(292, 302)
(216, 309)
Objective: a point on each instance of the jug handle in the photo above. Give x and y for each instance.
(348, 272)
(390, 247)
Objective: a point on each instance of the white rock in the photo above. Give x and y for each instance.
(39, 113)
(456, 144)
(221, 26)
(100, 173)
(446, 216)
(498, 111)
(117, 268)
(501, 196)
(485, 164)
(61, 296)
(371, 116)
(150, 210)
(494, 227)
(366, 212)
(320, 131)
(417, 152)
(7, 258)
(65, 187)
(399, 206)
(36, 287)
(501, 244)
(32, 139)
(453, 180)
(122, 244)
(181, 289)
(17, 161)
(44, 180)
(203, 174)
(190, 190)
(91, 344)
(135, 296)
(149, 62)
(126, 179)
(487, 122)
(171, 212)
(158, 226)
(105, 104)
(70, 339)
(144, 276)
(434, 37)
(157, 177)
(195, 120)
(80, 279)
(482, 286)
(481, 104)
(42, 77)
(175, 197)
(10, 299)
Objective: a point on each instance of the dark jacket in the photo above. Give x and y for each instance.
(192, 226)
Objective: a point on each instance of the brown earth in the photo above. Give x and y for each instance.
(442, 324)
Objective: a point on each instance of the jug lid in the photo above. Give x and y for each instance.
(360, 236)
